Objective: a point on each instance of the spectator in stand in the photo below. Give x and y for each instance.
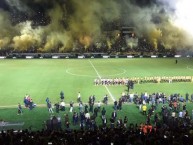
(156, 119)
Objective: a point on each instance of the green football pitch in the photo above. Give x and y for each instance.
(41, 78)
(47, 78)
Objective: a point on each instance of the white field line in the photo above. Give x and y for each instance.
(43, 105)
(100, 78)
(15, 106)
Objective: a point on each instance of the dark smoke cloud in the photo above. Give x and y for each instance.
(65, 25)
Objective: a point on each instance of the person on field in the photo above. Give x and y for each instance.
(71, 106)
(144, 108)
(187, 97)
(105, 100)
(114, 115)
(62, 106)
(50, 107)
(47, 101)
(62, 95)
(99, 105)
(20, 112)
(79, 97)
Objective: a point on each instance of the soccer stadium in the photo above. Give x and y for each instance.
(96, 72)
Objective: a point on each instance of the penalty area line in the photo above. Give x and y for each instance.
(100, 78)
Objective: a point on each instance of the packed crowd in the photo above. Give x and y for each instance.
(180, 135)
(172, 125)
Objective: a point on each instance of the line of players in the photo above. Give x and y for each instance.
(136, 80)
(115, 81)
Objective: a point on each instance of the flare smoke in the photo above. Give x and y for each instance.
(78, 24)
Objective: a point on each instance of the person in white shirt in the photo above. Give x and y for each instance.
(99, 105)
(87, 115)
(180, 114)
(173, 114)
(79, 97)
(71, 106)
(131, 97)
(62, 106)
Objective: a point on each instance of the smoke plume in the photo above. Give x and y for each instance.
(68, 25)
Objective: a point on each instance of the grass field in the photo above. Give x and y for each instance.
(41, 78)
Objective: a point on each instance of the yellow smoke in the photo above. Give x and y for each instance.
(78, 23)
(7, 31)
(27, 38)
(85, 23)
(4, 42)
(155, 35)
(86, 41)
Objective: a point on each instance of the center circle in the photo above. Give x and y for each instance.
(80, 71)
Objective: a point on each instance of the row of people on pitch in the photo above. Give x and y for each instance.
(115, 81)
(124, 81)
(164, 79)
